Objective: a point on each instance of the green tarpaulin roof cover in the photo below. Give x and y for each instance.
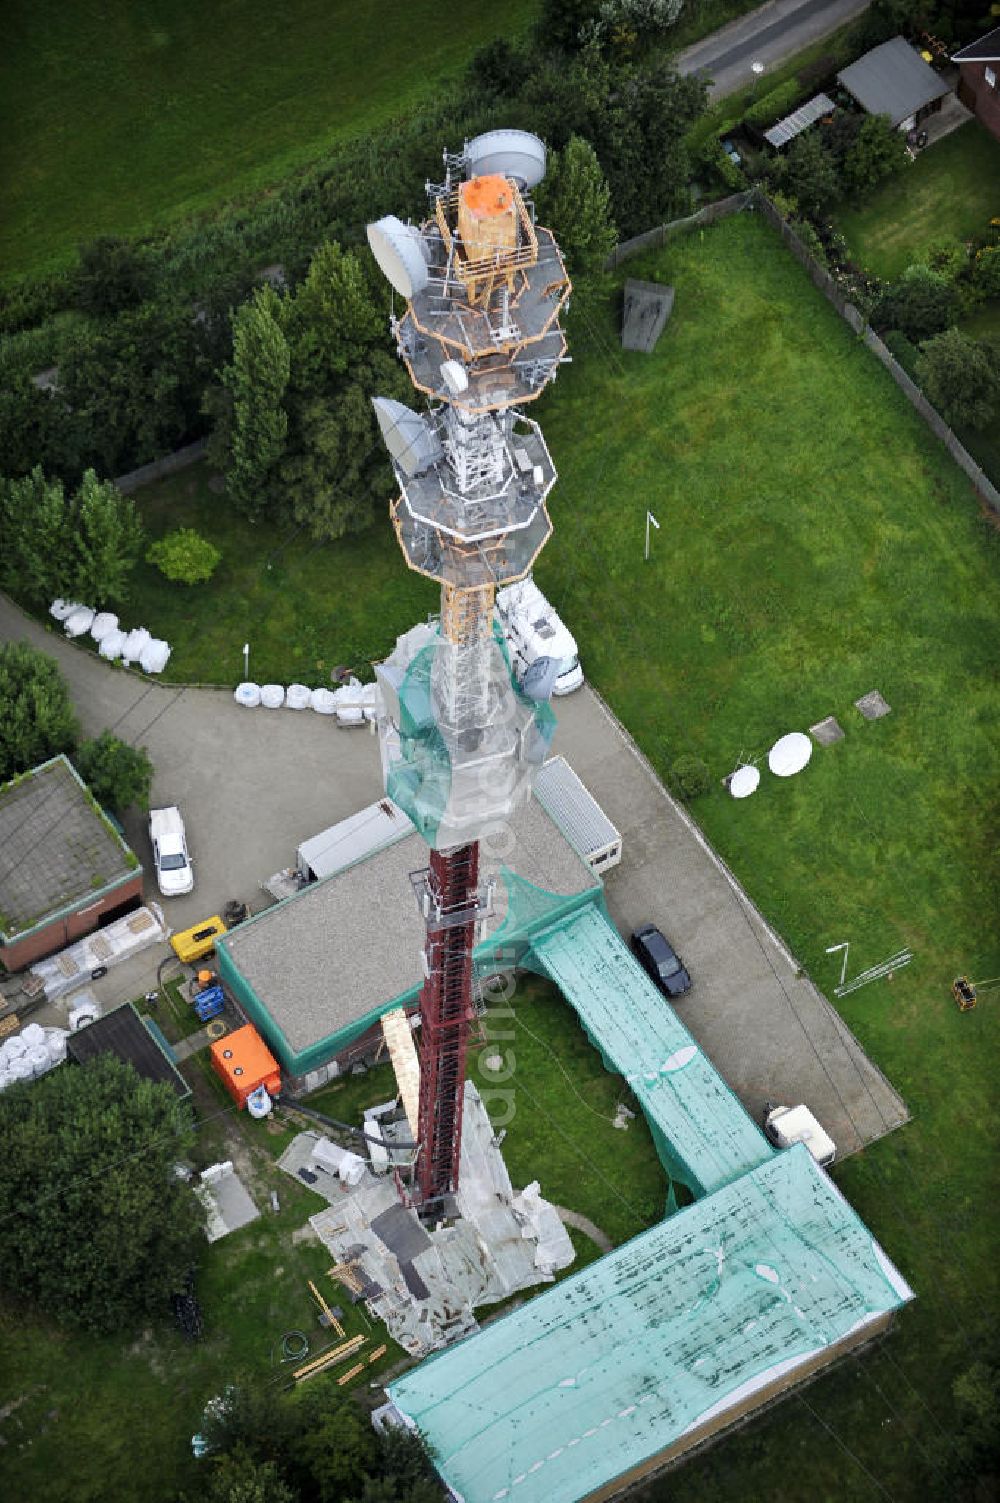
(703, 1135)
(618, 1361)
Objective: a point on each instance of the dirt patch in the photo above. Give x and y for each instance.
(304, 1234)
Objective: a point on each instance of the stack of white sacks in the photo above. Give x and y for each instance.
(30, 1053)
(354, 703)
(114, 642)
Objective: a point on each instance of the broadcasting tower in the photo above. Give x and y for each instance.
(460, 737)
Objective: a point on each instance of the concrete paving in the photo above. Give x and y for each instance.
(768, 35)
(253, 783)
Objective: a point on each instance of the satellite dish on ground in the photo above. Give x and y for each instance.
(411, 442)
(744, 781)
(398, 249)
(513, 153)
(789, 755)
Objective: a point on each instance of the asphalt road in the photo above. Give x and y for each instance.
(253, 783)
(769, 35)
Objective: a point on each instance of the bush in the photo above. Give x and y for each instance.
(690, 777)
(878, 151)
(772, 106)
(184, 556)
(961, 377)
(116, 774)
(921, 303)
(986, 271)
(721, 165)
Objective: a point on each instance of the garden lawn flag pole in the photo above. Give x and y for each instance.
(484, 286)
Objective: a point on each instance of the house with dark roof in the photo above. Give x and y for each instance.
(64, 870)
(979, 80)
(894, 80)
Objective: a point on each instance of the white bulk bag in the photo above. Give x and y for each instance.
(297, 697)
(103, 624)
(113, 645)
(247, 695)
(134, 644)
(78, 621)
(153, 657)
(272, 696)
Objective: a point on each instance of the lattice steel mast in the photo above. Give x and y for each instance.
(484, 287)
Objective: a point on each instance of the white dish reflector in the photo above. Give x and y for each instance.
(744, 781)
(406, 435)
(789, 755)
(397, 248)
(512, 153)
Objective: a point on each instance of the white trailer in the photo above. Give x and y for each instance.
(533, 630)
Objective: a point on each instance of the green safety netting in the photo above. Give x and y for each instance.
(460, 742)
(702, 1133)
(657, 1339)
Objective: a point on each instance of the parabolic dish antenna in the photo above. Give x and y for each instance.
(413, 445)
(397, 249)
(789, 755)
(512, 153)
(744, 781)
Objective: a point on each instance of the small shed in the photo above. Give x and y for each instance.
(65, 871)
(578, 815)
(135, 1040)
(979, 83)
(894, 80)
(244, 1062)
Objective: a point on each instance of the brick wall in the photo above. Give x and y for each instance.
(977, 95)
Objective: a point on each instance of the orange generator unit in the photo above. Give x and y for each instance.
(244, 1062)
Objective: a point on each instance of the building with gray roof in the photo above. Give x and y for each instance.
(64, 869)
(894, 80)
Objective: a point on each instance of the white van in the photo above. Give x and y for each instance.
(533, 630)
(785, 1125)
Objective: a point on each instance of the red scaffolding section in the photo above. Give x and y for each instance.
(451, 908)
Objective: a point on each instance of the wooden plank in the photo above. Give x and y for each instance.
(328, 1358)
(351, 1373)
(379, 1351)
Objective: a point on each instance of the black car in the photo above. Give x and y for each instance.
(656, 955)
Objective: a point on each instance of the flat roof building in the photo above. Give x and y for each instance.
(64, 869)
(136, 1041)
(317, 970)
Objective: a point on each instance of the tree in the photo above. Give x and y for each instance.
(184, 556)
(35, 538)
(643, 143)
(562, 22)
(238, 1478)
(960, 376)
(878, 151)
(37, 719)
(107, 539)
(116, 774)
(575, 202)
(809, 173)
(920, 303)
(256, 379)
(98, 1229)
(112, 276)
(331, 320)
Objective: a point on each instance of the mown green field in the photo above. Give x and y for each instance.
(950, 193)
(118, 118)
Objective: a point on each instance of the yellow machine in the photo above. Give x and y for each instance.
(199, 941)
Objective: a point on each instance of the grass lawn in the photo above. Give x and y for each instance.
(117, 118)
(816, 543)
(951, 192)
(303, 608)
